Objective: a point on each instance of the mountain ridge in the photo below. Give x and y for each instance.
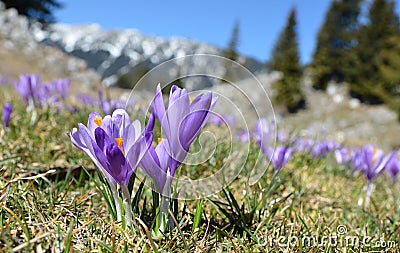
(118, 52)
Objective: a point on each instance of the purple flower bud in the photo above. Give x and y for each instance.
(7, 114)
(278, 157)
(181, 121)
(393, 168)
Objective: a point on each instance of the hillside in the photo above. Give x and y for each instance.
(330, 115)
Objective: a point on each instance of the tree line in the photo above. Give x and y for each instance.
(360, 51)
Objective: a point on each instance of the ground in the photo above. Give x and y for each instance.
(55, 203)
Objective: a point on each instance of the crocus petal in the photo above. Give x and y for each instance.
(150, 162)
(7, 114)
(136, 152)
(131, 134)
(117, 165)
(178, 109)
(368, 152)
(155, 164)
(195, 120)
(91, 124)
(107, 126)
(393, 168)
(125, 116)
(158, 108)
(102, 139)
(381, 166)
(279, 157)
(84, 142)
(121, 120)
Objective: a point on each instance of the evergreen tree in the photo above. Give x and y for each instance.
(231, 51)
(285, 58)
(333, 56)
(376, 41)
(40, 10)
(388, 87)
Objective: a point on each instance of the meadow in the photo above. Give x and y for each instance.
(317, 197)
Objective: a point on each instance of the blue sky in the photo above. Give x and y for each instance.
(205, 21)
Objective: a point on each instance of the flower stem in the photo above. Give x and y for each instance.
(369, 192)
(126, 197)
(114, 192)
(164, 205)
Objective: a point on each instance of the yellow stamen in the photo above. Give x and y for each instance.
(98, 121)
(191, 100)
(374, 152)
(159, 139)
(119, 142)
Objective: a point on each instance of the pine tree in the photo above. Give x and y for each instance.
(285, 58)
(40, 10)
(333, 56)
(388, 62)
(374, 44)
(231, 51)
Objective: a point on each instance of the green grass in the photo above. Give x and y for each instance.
(54, 203)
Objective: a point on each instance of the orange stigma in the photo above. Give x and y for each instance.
(98, 121)
(191, 100)
(374, 152)
(119, 142)
(159, 139)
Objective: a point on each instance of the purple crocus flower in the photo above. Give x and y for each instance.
(278, 157)
(114, 143)
(27, 87)
(155, 164)
(356, 160)
(38, 94)
(7, 114)
(62, 87)
(302, 145)
(322, 148)
(116, 146)
(263, 132)
(181, 121)
(87, 100)
(342, 156)
(373, 162)
(109, 105)
(393, 168)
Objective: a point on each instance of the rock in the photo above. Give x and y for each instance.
(19, 34)
(354, 103)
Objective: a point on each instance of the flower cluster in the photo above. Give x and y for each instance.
(38, 94)
(367, 160)
(117, 146)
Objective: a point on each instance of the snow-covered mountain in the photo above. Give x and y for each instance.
(122, 56)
